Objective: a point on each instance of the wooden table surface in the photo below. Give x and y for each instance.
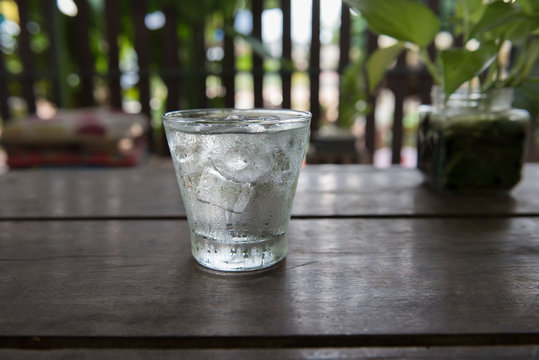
(151, 192)
(97, 263)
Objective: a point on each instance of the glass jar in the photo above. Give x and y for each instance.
(473, 142)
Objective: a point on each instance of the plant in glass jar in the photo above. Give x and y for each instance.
(470, 138)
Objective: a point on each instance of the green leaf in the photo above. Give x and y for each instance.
(379, 61)
(467, 13)
(496, 14)
(471, 10)
(461, 65)
(405, 20)
(516, 29)
(531, 59)
(533, 80)
(519, 30)
(530, 7)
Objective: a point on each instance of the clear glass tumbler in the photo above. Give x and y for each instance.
(237, 171)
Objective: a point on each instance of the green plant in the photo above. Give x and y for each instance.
(353, 95)
(491, 24)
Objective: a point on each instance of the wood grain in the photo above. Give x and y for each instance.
(87, 193)
(342, 277)
(323, 191)
(431, 353)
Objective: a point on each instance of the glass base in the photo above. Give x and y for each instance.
(238, 256)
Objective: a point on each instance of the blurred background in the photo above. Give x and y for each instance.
(146, 57)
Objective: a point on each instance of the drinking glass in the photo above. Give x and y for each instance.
(237, 172)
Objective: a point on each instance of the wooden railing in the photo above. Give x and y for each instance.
(401, 80)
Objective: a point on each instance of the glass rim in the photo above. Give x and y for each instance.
(252, 116)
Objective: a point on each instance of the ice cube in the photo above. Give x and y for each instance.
(291, 143)
(191, 153)
(243, 161)
(281, 160)
(212, 188)
(279, 151)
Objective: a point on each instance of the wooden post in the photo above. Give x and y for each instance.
(84, 57)
(50, 13)
(142, 49)
(229, 67)
(370, 124)
(171, 60)
(112, 18)
(287, 65)
(258, 75)
(344, 39)
(399, 87)
(4, 108)
(27, 58)
(314, 65)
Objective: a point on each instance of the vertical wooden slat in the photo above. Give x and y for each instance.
(142, 49)
(229, 67)
(370, 124)
(314, 65)
(84, 56)
(426, 80)
(49, 10)
(399, 87)
(344, 39)
(258, 75)
(344, 42)
(286, 70)
(112, 20)
(425, 87)
(199, 64)
(4, 108)
(26, 58)
(171, 60)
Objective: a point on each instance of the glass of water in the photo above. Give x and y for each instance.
(237, 171)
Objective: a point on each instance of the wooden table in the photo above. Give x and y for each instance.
(97, 263)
